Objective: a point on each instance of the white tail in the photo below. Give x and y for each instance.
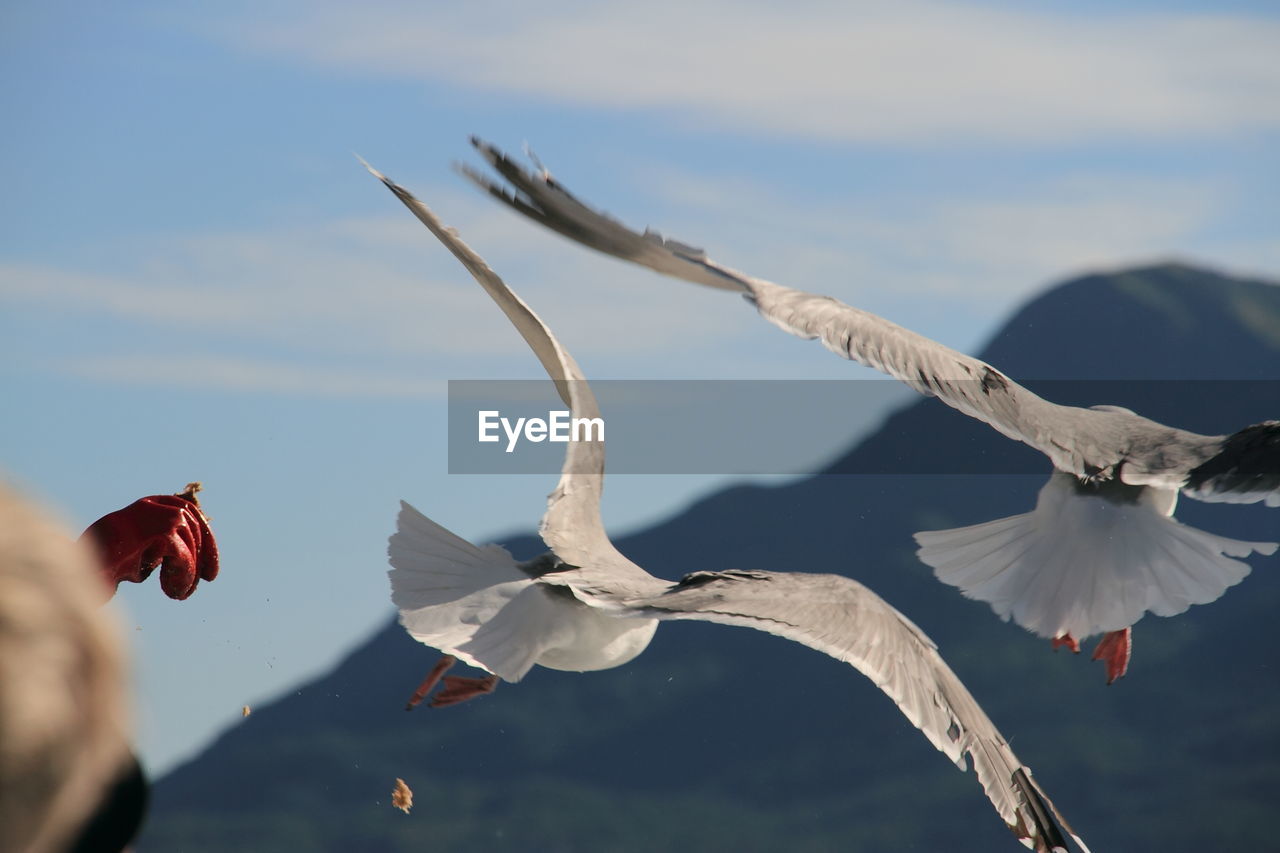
(1082, 564)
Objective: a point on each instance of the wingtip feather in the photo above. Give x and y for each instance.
(372, 171)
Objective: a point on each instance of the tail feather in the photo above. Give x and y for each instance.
(418, 537)
(1084, 564)
(511, 642)
(467, 601)
(975, 554)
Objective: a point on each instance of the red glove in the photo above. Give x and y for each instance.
(168, 531)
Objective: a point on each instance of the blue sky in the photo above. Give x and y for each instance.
(198, 281)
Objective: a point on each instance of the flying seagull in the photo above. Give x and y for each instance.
(584, 606)
(1100, 549)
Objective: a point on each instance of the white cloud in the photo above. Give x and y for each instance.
(238, 374)
(987, 248)
(274, 311)
(919, 71)
(1076, 224)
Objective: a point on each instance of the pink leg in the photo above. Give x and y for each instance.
(441, 667)
(458, 689)
(1068, 641)
(1114, 649)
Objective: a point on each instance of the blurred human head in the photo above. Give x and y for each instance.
(63, 709)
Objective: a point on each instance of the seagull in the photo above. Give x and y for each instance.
(583, 606)
(1100, 549)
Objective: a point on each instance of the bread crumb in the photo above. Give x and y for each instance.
(245, 711)
(402, 797)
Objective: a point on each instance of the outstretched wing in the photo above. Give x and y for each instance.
(842, 618)
(1084, 442)
(572, 527)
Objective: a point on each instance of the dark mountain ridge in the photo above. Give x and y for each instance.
(719, 738)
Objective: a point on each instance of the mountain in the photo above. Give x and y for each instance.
(721, 738)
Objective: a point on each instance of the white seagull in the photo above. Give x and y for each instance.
(584, 606)
(1100, 549)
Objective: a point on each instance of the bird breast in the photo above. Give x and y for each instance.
(592, 638)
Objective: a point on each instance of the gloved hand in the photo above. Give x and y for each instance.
(168, 531)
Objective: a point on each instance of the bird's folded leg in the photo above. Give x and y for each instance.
(458, 689)
(1114, 649)
(1068, 641)
(441, 667)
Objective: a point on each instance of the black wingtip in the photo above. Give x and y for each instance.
(490, 152)
(1248, 463)
(480, 179)
(1044, 833)
(470, 174)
